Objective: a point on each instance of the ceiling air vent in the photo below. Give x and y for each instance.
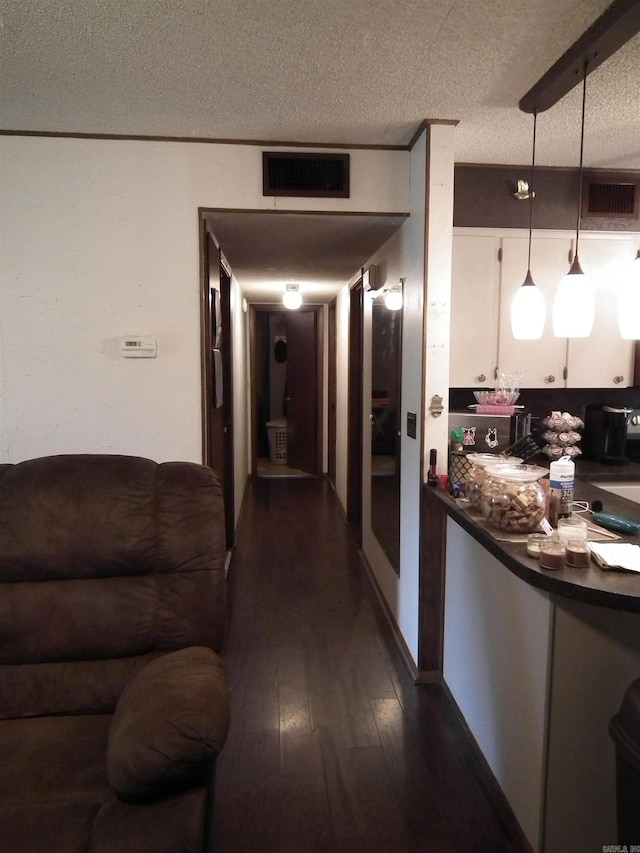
(314, 175)
(613, 197)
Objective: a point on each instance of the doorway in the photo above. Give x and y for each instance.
(286, 388)
(217, 374)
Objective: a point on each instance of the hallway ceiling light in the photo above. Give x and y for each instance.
(393, 296)
(527, 307)
(574, 305)
(629, 300)
(292, 298)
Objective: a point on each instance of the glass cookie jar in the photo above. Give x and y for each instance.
(512, 497)
(479, 470)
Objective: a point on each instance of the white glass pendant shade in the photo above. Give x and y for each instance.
(292, 299)
(393, 300)
(527, 311)
(574, 305)
(629, 301)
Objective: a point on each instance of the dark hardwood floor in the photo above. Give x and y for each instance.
(333, 748)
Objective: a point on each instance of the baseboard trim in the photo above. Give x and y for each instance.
(405, 654)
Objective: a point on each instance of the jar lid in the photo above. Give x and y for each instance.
(484, 459)
(518, 473)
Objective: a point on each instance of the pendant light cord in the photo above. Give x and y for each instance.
(584, 98)
(531, 192)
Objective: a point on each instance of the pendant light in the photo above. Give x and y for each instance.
(629, 301)
(527, 306)
(574, 305)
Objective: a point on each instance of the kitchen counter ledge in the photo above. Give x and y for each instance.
(610, 589)
(594, 472)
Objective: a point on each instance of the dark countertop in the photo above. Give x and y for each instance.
(612, 589)
(594, 472)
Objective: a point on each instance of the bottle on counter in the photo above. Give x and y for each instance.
(560, 500)
(432, 476)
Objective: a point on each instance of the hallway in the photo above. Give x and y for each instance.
(332, 748)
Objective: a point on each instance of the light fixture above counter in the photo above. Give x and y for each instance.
(527, 307)
(574, 306)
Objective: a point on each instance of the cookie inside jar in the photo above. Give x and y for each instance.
(512, 498)
(481, 464)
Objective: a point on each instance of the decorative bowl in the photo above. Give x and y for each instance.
(496, 398)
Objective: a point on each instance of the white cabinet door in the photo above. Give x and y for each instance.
(543, 361)
(474, 311)
(604, 359)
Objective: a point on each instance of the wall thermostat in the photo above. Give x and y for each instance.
(139, 346)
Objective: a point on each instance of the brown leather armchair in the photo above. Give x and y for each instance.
(113, 697)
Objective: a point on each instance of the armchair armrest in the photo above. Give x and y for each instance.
(172, 717)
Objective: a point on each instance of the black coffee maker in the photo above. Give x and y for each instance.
(605, 433)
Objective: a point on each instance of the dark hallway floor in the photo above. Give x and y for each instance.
(332, 747)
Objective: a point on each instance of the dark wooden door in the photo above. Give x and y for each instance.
(302, 391)
(218, 444)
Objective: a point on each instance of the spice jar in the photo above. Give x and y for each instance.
(512, 499)
(477, 473)
(553, 554)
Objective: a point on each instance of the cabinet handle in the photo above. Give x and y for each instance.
(618, 379)
(481, 378)
(549, 379)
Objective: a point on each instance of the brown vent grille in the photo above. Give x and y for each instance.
(314, 175)
(611, 199)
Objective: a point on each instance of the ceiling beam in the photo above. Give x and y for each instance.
(616, 26)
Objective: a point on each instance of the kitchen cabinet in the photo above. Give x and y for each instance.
(604, 359)
(475, 293)
(490, 265)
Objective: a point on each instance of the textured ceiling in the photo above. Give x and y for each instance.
(316, 71)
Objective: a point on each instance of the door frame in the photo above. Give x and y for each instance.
(263, 308)
(207, 378)
(355, 407)
(332, 402)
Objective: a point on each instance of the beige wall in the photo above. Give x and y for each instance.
(99, 239)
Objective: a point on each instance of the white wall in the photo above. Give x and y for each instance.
(406, 256)
(99, 239)
(437, 313)
(403, 257)
(241, 396)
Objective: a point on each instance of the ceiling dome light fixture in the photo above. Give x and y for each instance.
(527, 306)
(574, 305)
(629, 300)
(292, 298)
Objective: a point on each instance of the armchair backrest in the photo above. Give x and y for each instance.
(107, 558)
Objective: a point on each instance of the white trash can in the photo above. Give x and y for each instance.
(277, 431)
